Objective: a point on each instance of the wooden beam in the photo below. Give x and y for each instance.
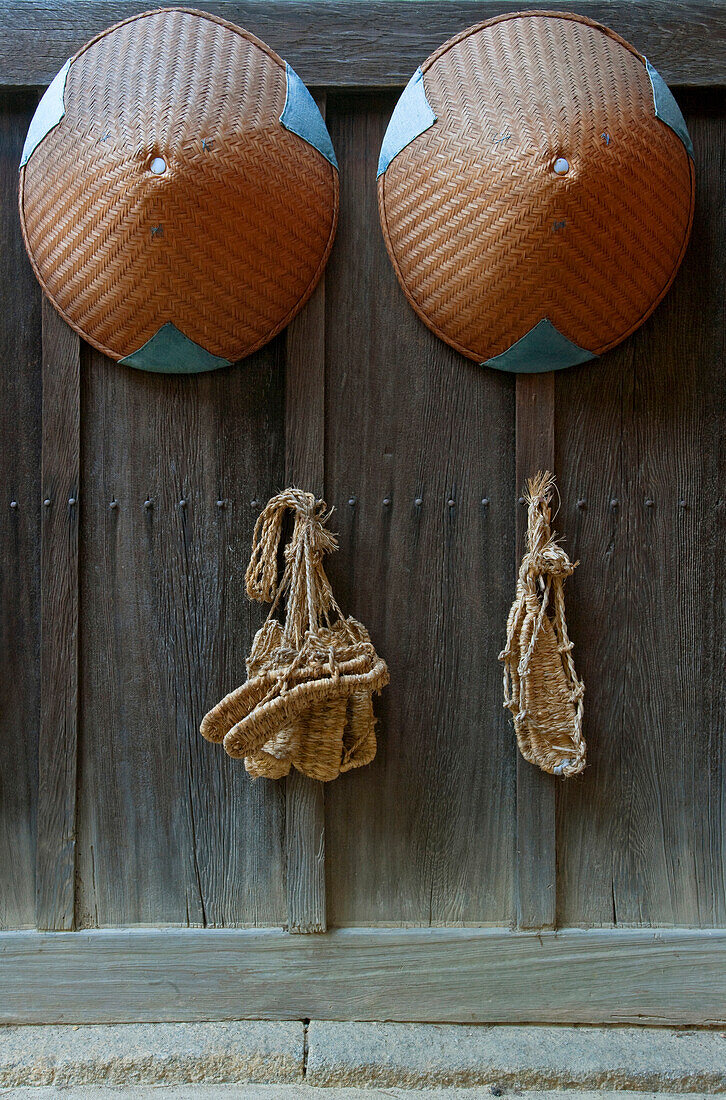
(368, 43)
(536, 854)
(305, 468)
(456, 975)
(55, 855)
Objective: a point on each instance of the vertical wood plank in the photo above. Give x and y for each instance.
(58, 737)
(536, 838)
(640, 443)
(305, 468)
(420, 466)
(20, 488)
(171, 830)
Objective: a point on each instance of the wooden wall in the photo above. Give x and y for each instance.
(113, 811)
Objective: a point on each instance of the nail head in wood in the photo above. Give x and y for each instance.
(148, 504)
(451, 502)
(46, 502)
(614, 503)
(418, 501)
(113, 505)
(221, 503)
(13, 503)
(649, 503)
(582, 504)
(485, 501)
(71, 501)
(386, 501)
(352, 501)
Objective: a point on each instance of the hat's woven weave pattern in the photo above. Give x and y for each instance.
(486, 239)
(228, 243)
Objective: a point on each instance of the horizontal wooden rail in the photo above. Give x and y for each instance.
(476, 975)
(370, 43)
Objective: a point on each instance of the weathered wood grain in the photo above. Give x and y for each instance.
(640, 445)
(458, 975)
(370, 43)
(20, 449)
(305, 395)
(416, 439)
(536, 840)
(305, 468)
(59, 581)
(171, 830)
(305, 854)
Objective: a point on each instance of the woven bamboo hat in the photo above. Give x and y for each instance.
(536, 190)
(178, 192)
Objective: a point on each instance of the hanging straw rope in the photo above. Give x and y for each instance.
(307, 702)
(541, 687)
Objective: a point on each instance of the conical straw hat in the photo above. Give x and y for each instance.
(178, 192)
(536, 190)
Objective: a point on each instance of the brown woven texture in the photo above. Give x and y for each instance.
(541, 687)
(248, 209)
(307, 702)
(486, 239)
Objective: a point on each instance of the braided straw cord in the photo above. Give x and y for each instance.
(229, 242)
(486, 239)
(541, 687)
(307, 702)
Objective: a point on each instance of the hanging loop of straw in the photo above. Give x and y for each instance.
(541, 687)
(310, 599)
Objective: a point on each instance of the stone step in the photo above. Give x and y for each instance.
(505, 1060)
(307, 1092)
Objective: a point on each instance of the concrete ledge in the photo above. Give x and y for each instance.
(286, 1059)
(151, 1053)
(420, 1055)
(304, 1092)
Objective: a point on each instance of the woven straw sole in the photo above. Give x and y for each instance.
(256, 728)
(329, 739)
(486, 240)
(247, 209)
(238, 704)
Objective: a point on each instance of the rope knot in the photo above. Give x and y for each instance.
(551, 561)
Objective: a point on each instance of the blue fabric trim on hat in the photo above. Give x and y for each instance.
(169, 351)
(48, 113)
(411, 116)
(301, 116)
(542, 348)
(666, 108)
